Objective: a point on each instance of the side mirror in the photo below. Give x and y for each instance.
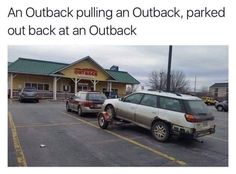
(122, 99)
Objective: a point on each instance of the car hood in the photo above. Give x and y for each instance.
(112, 100)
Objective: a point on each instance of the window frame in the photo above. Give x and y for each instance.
(179, 100)
(29, 84)
(148, 105)
(124, 100)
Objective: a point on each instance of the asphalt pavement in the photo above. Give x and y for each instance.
(44, 134)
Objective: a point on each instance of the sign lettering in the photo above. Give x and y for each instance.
(85, 71)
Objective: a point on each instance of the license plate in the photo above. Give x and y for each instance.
(204, 124)
(98, 106)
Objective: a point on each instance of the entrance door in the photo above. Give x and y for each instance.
(83, 87)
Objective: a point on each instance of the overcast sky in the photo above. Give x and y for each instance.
(208, 63)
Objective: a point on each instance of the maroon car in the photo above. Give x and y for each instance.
(85, 102)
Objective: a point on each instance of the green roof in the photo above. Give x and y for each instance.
(41, 67)
(31, 66)
(219, 85)
(123, 77)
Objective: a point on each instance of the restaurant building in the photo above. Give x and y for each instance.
(60, 80)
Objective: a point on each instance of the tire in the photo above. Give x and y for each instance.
(110, 110)
(102, 122)
(80, 112)
(68, 107)
(220, 108)
(160, 131)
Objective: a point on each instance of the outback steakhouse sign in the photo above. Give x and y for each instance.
(85, 71)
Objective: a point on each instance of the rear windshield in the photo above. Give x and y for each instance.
(96, 97)
(29, 90)
(196, 107)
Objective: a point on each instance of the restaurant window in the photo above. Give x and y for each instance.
(46, 87)
(40, 87)
(34, 85)
(27, 84)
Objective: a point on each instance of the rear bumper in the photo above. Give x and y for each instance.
(192, 132)
(89, 110)
(29, 98)
(209, 131)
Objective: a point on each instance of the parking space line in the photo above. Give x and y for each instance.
(164, 155)
(20, 157)
(46, 125)
(217, 138)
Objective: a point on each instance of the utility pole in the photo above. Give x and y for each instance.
(169, 69)
(161, 88)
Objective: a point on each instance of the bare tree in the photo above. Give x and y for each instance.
(131, 88)
(179, 82)
(158, 81)
(154, 80)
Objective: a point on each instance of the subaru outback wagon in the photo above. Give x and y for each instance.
(163, 113)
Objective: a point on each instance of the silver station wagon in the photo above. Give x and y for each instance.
(163, 113)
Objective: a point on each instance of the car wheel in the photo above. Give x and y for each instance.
(160, 131)
(68, 107)
(220, 108)
(110, 110)
(102, 122)
(80, 112)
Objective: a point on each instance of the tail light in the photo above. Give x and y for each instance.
(88, 104)
(191, 118)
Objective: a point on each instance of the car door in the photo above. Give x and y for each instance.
(147, 110)
(172, 110)
(75, 102)
(71, 101)
(126, 108)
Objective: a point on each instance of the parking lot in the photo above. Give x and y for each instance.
(44, 134)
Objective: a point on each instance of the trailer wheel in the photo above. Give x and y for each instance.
(102, 121)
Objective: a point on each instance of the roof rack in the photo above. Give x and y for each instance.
(178, 94)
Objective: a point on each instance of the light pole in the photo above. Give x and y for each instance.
(169, 69)
(161, 74)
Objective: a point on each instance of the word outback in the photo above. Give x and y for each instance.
(111, 30)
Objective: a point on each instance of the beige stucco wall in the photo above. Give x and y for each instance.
(20, 79)
(120, 86)
(222, 91)
(69, 72)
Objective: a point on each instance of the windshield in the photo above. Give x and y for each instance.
(196, 107)
(29, 90)
(96, 97)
